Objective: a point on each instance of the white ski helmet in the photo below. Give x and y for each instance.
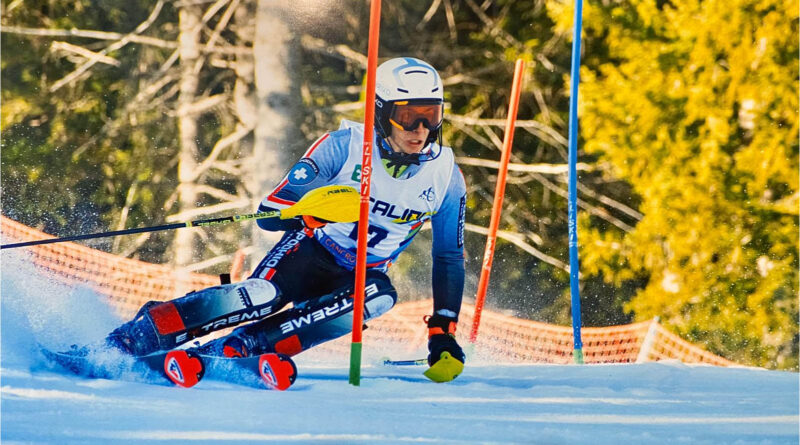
(408, 92)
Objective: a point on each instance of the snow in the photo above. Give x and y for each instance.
(651, 403)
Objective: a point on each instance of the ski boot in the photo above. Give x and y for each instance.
(136, 337)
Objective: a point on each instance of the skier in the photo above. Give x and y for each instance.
(312, 265)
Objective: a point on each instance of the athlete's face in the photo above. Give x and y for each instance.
(409, 142)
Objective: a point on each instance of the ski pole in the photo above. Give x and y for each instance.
(417, 362)
(333, 203)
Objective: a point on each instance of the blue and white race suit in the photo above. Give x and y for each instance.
(432, 191)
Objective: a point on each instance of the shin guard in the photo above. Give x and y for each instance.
(310, 323)
(163, 326)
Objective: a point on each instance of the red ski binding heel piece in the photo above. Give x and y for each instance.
(278, 371)
(183, 368)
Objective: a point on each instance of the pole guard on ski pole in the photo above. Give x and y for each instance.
(366, 175)
(497, 205)
(337, 203)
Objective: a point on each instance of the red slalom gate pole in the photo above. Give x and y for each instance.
(497, 205)
(366, 175)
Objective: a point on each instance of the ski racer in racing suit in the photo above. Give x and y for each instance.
(312, 265)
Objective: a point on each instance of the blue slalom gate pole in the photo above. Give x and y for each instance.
(572, 202)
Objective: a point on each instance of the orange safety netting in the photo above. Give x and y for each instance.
(502, 338)
(128, 283)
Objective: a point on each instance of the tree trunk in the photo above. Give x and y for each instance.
(188, 158)
(274, 49)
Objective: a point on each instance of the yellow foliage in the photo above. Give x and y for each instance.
(697, 108)
(13, 110)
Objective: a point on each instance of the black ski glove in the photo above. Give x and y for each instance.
(442, 338)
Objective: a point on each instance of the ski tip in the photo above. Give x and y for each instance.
(183, 368)
(278, 371)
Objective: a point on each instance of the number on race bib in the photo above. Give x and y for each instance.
(376, 234)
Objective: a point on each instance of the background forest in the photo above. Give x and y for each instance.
(128, 114)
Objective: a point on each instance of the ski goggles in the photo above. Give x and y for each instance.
(408, 117)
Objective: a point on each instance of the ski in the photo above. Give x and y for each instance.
(181, 367)
(275, 371)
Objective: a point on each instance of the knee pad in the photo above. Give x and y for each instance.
(379, 295)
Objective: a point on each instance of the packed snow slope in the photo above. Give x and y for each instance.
(652, 403)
